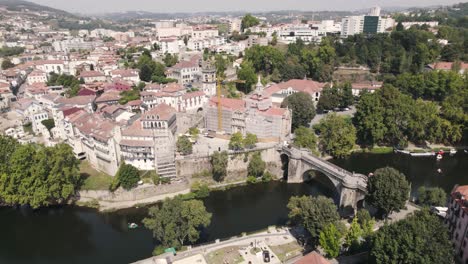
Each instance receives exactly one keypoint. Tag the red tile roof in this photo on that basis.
(233, 104)
(193, 94)
(85, 74)
(160, 112)
(312, 258)
(85, 91)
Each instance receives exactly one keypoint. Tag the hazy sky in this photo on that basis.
(166, 6)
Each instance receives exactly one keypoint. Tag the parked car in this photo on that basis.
(266, 256)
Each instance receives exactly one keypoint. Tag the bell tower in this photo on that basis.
(209, 79)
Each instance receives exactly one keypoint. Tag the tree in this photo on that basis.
(219, 162)
(246, 74)
(329, 99)
(303, 109)
(170, 60)
(399, 27)
(256, 166)
(330, 241)
(184, 145)
(236, 142)
(420, 238)
(177, 222)
(305, 138)
(128, 176)
(353, 234)
(337, 135)
(146, 73)
(36, 175)
(48, 123)
(249, 21)
(387, 190)
(194, 132)
(346, 95)
(366, 222)
(7, 64)
(313, 213)
(432, 196)
(250, 140)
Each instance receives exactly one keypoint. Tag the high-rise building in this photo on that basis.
(352, 25)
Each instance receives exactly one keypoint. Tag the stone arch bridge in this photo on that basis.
(351, 187)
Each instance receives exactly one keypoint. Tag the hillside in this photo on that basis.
(19, 5)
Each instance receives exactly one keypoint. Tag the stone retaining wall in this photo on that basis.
(139, 193)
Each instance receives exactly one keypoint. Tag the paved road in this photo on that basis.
(319, 117)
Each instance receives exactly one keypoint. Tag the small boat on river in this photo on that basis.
(422, 154)
(132, 226)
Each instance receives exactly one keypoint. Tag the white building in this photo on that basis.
(36, 76)
(204, 32)
(186, 72)
(235, 24)
(352, 25)
(169, 45)
(92, 76)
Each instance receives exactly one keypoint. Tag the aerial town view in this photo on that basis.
(233, 132)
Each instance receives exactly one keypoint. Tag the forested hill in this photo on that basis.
(19, 5)
(456, 15)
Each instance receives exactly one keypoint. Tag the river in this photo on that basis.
(79, 235)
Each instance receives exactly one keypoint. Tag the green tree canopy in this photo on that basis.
(388, 190)
(330, 241)
(7, 64)
(420, 238)
(219, 162)
(177, 222)
(303, 109)
(337, 135)
(249, 21)
(128, 176)
(256, 166)
(37, 176)
(184, 145)
(236, 142)
(313, 213)
(250, 140)
(246, 74)
(305, 138)
(434, 196)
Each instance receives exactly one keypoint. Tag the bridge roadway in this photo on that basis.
(351, 186)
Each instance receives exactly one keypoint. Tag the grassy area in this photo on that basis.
(93, 179)
(287, 251)
(225, 255)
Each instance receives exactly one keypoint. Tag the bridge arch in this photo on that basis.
(328, 186)
(285, 166)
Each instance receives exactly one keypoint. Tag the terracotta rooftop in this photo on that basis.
(233, 104)
(95, 126)
(193, 94)
(109, 95)
(173, 88)
(124, 73)
(447, 65)
(312, 258)
(77, 100)
(160, 112)
(87, 74)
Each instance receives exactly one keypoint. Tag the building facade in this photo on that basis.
(457, 221)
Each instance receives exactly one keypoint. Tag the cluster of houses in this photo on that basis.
(107, 130)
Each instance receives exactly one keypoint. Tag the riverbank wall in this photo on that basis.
(237, 164)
